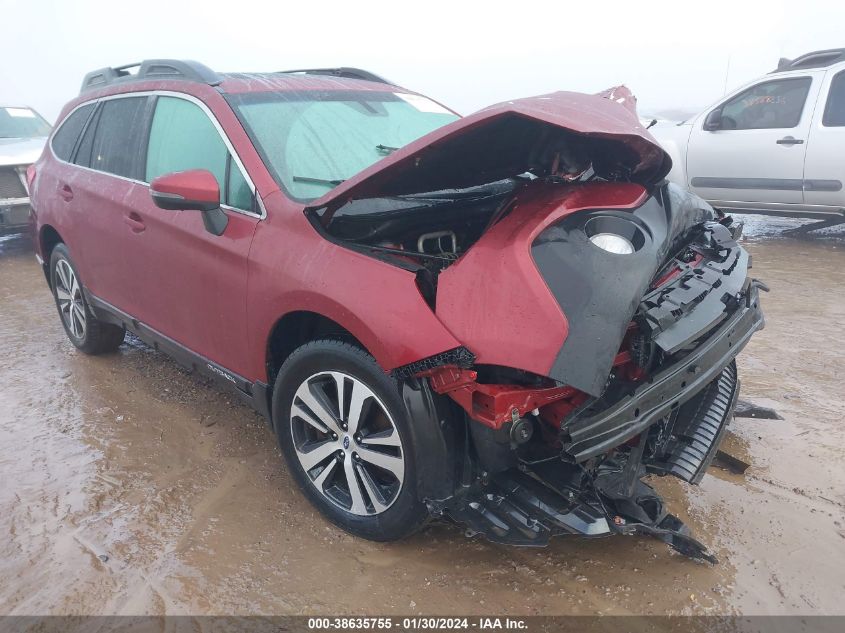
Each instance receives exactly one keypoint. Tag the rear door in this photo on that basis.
(53, 192)
(191, 285)
(102, 192)
(757, 153)
(824, 170)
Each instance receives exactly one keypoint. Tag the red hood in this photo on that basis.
(512, 138)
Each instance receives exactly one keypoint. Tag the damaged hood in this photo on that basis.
(514, 137)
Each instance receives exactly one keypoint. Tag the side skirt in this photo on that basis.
(255, 394)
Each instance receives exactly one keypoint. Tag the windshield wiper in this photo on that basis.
(317, 181)
(386, 148)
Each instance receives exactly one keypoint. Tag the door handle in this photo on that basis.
(134, 222)
(65, 192)
(789, 140)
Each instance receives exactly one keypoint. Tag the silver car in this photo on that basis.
(23, 133)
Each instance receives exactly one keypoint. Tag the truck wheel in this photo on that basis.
(345, 435)
(84, 330)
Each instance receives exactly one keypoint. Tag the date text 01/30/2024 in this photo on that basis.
(417, 623)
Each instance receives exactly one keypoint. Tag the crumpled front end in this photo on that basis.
(641, 375)
(598, 312)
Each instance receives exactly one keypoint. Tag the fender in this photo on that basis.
(378, 303)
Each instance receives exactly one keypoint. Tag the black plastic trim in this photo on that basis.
(460, 357)
(599, 292)
(148, 70)
(816, 59)
(435, 433)
(822, 185)
(668, 389)
(700, 426)
(345, 72)
(778, 184)
(773, 184)
(253, 394)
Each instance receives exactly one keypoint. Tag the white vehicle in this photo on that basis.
(23, 133)
(775, 146)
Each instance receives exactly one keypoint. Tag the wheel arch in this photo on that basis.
(48, 239)
(296, 328)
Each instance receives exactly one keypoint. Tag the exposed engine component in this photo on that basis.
(438, 243)
(522, 431)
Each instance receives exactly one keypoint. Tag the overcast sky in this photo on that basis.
(673, 54)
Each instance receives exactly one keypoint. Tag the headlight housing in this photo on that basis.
(616, 234)
(611, 243)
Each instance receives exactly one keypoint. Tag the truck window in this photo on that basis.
(768, 105)
(834, 111)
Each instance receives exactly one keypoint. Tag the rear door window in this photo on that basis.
(65, 137)
(768, 105)
(117, 142)
(183, 137)
(834, 111)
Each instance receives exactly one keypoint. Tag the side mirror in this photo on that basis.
(713, 121)
(192, 190)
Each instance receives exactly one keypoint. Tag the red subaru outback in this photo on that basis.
(507, 319)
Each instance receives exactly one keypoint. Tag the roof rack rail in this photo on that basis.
(150, 69)
(816, 59)
(343, 71)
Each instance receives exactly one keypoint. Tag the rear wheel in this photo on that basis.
(83, 328)
(343, 429)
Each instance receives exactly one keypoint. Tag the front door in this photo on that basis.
(190, 284)
(754, 151)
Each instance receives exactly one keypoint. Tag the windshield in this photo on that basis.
(313, 141)
(22, 123)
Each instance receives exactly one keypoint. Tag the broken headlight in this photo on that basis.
(614, 234)
(612, 243)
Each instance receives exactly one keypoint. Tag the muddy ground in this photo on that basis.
(130, 487)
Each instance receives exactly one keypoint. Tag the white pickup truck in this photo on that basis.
(776, 145)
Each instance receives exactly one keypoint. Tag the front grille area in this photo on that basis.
(699, 427)
(11, 185)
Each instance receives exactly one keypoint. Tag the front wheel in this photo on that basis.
(345, 435)
(83, 328)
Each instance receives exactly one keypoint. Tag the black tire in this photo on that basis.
(406, 514)
(93, 336)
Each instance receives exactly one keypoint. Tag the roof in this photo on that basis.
(816, 59)
(234, 83)
(343, 77)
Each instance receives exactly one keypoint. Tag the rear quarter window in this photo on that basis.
(66, 136)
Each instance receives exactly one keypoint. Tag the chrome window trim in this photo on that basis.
(261, 214)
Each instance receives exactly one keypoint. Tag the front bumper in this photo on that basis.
(669, 388)
(14, 215)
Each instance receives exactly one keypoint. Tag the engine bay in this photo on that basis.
(431, 230)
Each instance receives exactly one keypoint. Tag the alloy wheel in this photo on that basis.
(69, 298)
(347, 443)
